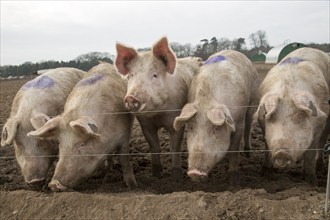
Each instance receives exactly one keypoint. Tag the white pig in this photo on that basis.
(157, 87)
(293, 109)
(217, 114)
(33, 105)
(94, 123)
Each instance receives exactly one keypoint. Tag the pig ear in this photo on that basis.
(124, 56)
(9, 131)
(219, 116)
(39, 120)
(306, 103)
(187, 112)
(87, 125)
(49, 131)
(163, 52)
(268, 106)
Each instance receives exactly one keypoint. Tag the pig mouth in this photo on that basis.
(197, 175)
(282, 160)
(56, 186)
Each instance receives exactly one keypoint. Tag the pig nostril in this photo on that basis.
(132, 103)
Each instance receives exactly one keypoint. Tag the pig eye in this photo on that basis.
(81, 146)
(155, 75)
(215, 129)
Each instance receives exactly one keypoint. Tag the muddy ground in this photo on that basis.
(105, 196)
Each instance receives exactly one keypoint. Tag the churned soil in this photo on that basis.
(105, 196)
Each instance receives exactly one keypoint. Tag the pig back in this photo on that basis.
(100, 95)
(226, 74)
(320, 59)
(46, 94)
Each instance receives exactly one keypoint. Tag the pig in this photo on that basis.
(94, 124)
(293, 110)
(218, 113)
(158, 85)
(33, 105)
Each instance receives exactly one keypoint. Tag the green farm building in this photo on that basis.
(259, 57)
(276, 54)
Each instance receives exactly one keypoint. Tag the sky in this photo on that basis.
(62, 30)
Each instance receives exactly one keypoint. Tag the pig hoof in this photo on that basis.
(234, 178)
(311, 179)
(156, 170)
(320, 166)
(247, 151)
(131, 183)
(36, 184)
(268, 173)
(177, 175)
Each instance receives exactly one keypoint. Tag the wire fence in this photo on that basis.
(178, 110)
(165, 153)
(150, 153)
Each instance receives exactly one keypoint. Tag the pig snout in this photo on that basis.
(56, 186)
(132, 103)
(36, 184)
(282, 159)
(197, 175)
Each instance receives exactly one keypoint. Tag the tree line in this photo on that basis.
(83, 62)
(258, 42)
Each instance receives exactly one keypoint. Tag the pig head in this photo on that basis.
(208, 137)
(76, 137)
(34, 156)
(290, 125)
(148, 75)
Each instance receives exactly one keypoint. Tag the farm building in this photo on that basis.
(259, 57)
(276, 54)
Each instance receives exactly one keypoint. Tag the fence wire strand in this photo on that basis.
(166, 153)
(150, 153)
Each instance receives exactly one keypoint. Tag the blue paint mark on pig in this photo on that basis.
(215, 59)
(291, 60)
(91, 80)
(41, 82)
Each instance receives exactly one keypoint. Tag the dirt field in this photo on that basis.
(105, 196)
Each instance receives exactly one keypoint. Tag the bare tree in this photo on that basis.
(182, 50)
(224, 44)
(237, 44)
(259, 39)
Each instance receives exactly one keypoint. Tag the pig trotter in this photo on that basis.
(310, 179)
(320, 168)
(131, 182)
(268, 172)
(247, 151)
(177, 174)
(234, 178)
(156, 170)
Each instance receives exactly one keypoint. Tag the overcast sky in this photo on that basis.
(62, 30)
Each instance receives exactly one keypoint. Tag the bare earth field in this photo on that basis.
(105, 196)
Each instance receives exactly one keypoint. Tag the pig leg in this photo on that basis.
(234, 178)
(323, 141)
(267, 167)
(151, 134)
(309, 167)
(175, 146)
(247, 131)
(126, 167)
